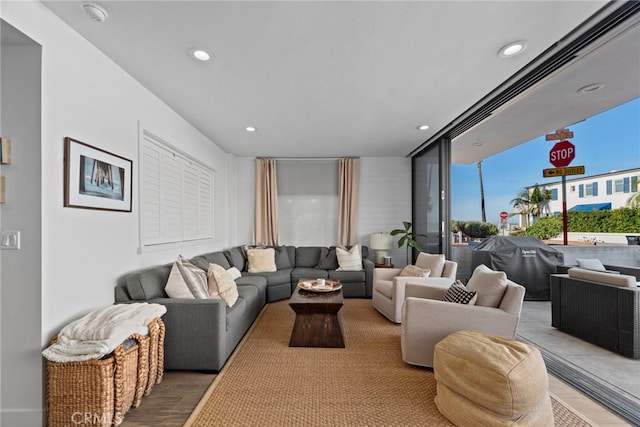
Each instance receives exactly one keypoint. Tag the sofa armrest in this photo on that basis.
(385, 273)
(434, 289)
(194, 331)
(368, 266)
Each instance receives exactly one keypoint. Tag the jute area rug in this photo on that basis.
(268, 383)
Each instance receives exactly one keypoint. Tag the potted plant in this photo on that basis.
(407, 238)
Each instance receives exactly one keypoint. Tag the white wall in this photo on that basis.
(385, 198)
(87, 97)
(20, 278)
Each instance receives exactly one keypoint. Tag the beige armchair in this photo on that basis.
(389, 288)
(426, 319)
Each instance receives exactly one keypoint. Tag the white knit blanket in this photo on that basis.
(101, 331)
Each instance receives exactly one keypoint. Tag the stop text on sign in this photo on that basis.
(562, 154)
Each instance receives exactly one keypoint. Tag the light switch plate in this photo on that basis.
(10, 240)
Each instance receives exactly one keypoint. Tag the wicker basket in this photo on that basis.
(156, 354)
(95, 392)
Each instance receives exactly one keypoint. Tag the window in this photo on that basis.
(619, 185)
(176, 195)
(554, 194)
(591, 189)
(609, 187)
(307, 202)
(572, 189)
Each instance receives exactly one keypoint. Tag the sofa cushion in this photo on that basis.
(186, 278)
(261, 260)
(236, 257)
(432, 262)
(347, 276)
(349, 259)
(211, 258)
(302, 273)
(590, 264)
(414, 271)
(277, 277)
(282, 257)
(308, 256)
(235, 313)
(489, 284)
(458, 294)
(621, 280)
(221, 285)
(148, 283)
(328, 259)
(385, 287)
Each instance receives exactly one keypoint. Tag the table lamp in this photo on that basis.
(381, 243)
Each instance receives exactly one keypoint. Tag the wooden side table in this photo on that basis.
(317, 323)
(383, 266)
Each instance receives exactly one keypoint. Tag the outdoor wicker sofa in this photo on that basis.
(607, 315)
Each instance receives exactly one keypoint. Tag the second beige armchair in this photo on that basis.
(427, 319)
(389, 286)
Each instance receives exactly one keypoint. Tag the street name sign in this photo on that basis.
(559, 134)
(570, 170)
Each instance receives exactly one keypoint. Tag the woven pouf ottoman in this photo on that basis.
(484, 380)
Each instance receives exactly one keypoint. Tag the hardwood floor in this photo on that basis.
(172, 401)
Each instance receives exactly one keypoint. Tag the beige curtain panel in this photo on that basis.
(266, 206)
(348, 195)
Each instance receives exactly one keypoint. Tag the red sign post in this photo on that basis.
(562, 154)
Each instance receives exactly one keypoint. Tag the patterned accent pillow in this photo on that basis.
(413, 271)
(459, 294)
(349, 259)
(221, 285)
(194, 278)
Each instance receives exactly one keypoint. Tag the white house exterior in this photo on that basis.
(596, 192)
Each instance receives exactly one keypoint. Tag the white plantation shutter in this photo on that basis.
(176, 200)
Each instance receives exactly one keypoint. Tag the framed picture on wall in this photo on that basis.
(95, 178)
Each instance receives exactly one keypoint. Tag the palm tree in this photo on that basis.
(539, 197)
(634, 200)
(530, 202)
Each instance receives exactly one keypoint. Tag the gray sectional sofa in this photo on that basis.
(202, 334)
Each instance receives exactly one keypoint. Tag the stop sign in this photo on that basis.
(562, 154)
(504, 215)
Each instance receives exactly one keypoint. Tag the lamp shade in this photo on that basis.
(380, 241)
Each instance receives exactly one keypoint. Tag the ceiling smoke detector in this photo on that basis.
(95, 12)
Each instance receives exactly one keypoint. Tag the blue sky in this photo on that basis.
(606, 142)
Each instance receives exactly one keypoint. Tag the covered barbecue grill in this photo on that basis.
(526, 260)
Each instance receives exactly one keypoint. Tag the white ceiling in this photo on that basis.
(355, 78)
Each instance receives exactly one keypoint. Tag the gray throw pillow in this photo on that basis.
(282, 257)
(328, 259)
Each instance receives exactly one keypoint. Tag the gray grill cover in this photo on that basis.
(527, 261)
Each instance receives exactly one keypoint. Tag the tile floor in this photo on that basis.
(619, 375)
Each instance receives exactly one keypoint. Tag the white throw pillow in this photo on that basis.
(235, 273)
(490, 285)
(433, 262)
(349, 259)
(186, 278)
(414, 271)
(590, 264)
(261, 260)
(221, 285)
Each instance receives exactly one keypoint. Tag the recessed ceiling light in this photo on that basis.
(513, 49)
(591, 88)
(200, 54)
(250, 129)
(95, 12)
(478, 144)
(423, 127)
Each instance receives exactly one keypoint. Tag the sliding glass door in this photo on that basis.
(431, 205)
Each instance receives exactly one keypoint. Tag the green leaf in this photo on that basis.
(401, 241)
(396, 231)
